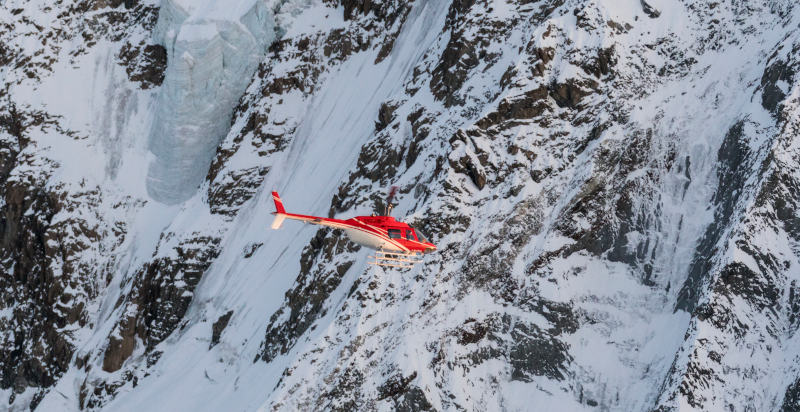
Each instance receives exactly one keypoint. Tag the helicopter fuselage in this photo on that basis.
(374, 232)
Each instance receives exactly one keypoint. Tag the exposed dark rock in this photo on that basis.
(34, 352)
(352, 7)
(218, 327)
(161, 294)
(12, 121)
(473, 332)
(794, 305)
(251, 249)
(772, 94)
(419, 131)
(412, 400)
(649, 10)
(490, 267)
(342, 43)
(785, 202)
(512, 111)
(305, 301)
(571, 93)
(542, 57)
(384, 11)
(345, 392)
(467, 166)
(145, 64)
(530, 351)
(697, 376)
(230, 188)
(545, 54)
(388, 42)
(166, 287)
(95, 394)
(227, 195)
(458, 58)
(560, 315)
(738, 279)
(395, 385)
(120, 345)
(618, 27)
(385, 116)
(534, 353)
(722, 318)
(601, 64)
(6, 55)
(582, 20)
(378, 161)
(791, 400)
(458, 8)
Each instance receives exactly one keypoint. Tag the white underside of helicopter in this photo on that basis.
(386, 252)
(369, 240)
(373, 241)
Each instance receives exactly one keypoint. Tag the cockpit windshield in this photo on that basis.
(421, 237)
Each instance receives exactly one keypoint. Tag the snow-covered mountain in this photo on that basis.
(613, 187)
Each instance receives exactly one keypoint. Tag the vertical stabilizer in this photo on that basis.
(278, 203)
(280, 212)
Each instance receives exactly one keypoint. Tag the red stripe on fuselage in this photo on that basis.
(382, 231)
(379, 232)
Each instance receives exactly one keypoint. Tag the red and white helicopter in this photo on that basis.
(396, 243)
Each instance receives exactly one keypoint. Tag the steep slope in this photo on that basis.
(612, 186)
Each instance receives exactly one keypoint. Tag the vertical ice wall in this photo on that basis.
(213, 48)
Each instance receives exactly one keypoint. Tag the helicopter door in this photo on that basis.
(395, 234)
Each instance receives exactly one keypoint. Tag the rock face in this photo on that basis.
(612, 186)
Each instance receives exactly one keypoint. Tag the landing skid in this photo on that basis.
(395, 259)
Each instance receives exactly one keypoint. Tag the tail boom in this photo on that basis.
(281, 215)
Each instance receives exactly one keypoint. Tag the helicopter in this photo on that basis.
(396, 244)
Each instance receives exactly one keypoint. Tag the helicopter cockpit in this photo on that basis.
(420, 237)
(407, 233)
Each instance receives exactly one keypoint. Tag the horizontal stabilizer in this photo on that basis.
(279, 218)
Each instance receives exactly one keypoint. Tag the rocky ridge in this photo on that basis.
(611, 185)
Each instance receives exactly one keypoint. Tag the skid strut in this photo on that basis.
(395, 259)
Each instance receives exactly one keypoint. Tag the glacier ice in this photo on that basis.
(213, 48)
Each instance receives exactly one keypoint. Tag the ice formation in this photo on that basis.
(213, 49)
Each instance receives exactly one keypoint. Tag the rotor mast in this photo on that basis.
(392, 192)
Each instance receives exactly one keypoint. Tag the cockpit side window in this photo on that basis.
(410, 234)
(420, 236)
(395, 233)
